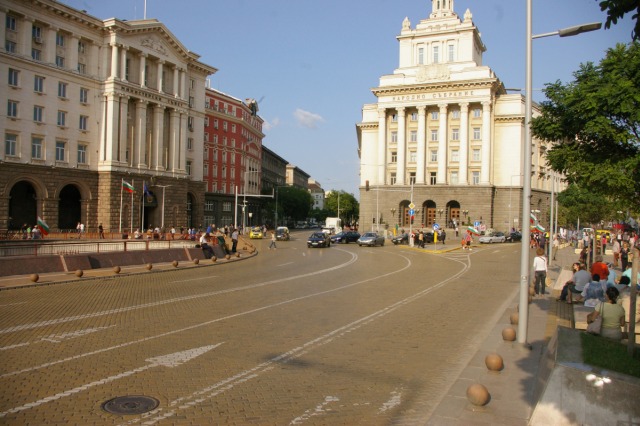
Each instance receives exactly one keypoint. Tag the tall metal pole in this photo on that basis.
(523, 311)
(551, 216)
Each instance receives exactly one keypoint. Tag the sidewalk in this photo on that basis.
(516, 390)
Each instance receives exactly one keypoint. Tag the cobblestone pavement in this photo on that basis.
(344, 335)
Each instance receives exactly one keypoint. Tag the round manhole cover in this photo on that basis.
(135, 404)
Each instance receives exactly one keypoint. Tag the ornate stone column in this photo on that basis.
(160, 72)
(140, 146)
(174, 141)
(73, 52)
(176, 81)
(182, 142)
(143, 71)
(485, 171)
(402, 146)
(420, 172)
(442, 145)
(463, 178)
(49, 48)
(382, 146)
(157, 146)
(122, 140)
(24, 42)
(123, 63)
(114, 61)
(111, 134)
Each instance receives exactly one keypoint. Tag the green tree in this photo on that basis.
(349, 206)
(593, 124)
(294, 203)
(616, 9)
(583, 205)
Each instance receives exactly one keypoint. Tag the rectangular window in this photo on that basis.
(233, 128)
(36, 54)
(38, 112)
(206, 122)
(455, 114)
(454, 178)
(60, 61)
(477, 113)
(10, 144)
(36, 148)
(190, 144)
(452, 56)
(188, 168)
(421, 55)
(394, 137)
(81, 47)
(433, 178)
(62, 118)
(412, 178)
(82, 125)
(38, 84)
(60, 150)
(414, 116)
(413, 156)
(82, 68)
(436, 54)
(434, 136)
(59, 39)
(10, 46)
(455, 134)
(10, 23)
(62, 90)
(12, 109)
(84, 95)
(13, 77)
(226, 206)
(394, 118)
(36, 33)
(82, 154)
(434, 155)
(393, 179)
(413, 136)
(455, 156)
(215, 123)
(394, 157)
(475, 155)
(476, 133)
(475, 178)
(434, 115)
(224, 126)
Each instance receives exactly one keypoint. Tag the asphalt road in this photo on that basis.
(345, 335)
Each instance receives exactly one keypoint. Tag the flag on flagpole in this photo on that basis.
(533, 218)
(43, 226)
(128, 187)
(145, 188)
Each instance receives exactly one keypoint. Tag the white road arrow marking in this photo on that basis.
(170, 360)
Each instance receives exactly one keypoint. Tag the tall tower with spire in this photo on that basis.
(441, 8)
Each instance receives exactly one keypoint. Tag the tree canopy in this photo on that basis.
(349, 206)
(593, 125)
(616, 9)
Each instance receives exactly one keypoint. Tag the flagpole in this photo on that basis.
(143, 195)
(121, 185)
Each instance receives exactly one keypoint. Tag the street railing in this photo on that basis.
(44, 247)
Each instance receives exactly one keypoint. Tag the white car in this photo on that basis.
(496, 237)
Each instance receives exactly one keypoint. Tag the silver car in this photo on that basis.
(496, 237)
(371, 239)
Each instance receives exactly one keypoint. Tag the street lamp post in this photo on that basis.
(523, 311)
(163, 188)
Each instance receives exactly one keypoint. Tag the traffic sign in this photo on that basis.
(411, 212)
(412, 206)
(436, 226)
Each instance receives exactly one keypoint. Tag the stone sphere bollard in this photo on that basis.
(34, 278)
(514, 318)
(509, 334)
(244, 248)
(79, 273)
(196, 261)
(478, 395)
(116, 269)
(227, 257)
(237, 254)
(213, 259)
(149, 266)
(175, 263)
(494, 362)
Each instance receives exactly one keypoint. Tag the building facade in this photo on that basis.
(94, 103)
(445, 139)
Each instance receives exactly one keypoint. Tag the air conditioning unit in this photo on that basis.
(37, 40)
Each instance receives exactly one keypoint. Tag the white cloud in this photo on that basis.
(307, 119)
(266, 125)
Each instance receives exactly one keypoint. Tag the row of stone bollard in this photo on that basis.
(116, 269)
(478, 394)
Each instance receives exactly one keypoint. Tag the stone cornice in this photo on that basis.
(436, 87)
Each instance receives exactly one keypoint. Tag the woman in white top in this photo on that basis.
(540, 269)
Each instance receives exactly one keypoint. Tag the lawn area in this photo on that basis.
(610, 355)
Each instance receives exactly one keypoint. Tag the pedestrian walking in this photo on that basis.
(234, 240)
(101, 231)
(540, 268)
(273, 241)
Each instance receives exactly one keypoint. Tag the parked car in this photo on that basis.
(513, 237)
(256, 232)
(496, 237)
(400, 239)
(319, 239)
(371, 239)
(345, 237)
(282, 233)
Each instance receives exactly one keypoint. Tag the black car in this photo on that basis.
(513, 237)
(400, 239)
(427, 239)
(319, 239)
(345, 237)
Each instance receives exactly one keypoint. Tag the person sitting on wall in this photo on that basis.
(205, 244)
(137, 235)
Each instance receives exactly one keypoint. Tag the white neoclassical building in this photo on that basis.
(445, 136)
(92, 103)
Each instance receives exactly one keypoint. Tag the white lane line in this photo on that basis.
(220, 387)
(12, 304)
(168, 301)
(170, 360)
(191, 327)
(394, 401)
(57, 338)
(4, 348)
(317, 411)
(285, 264)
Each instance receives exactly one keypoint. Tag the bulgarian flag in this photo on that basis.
(127, 187)
(533, 218)
(43, 226)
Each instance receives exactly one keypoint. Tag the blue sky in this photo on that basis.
(313, 63)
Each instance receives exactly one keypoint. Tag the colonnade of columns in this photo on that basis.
(443, 144)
